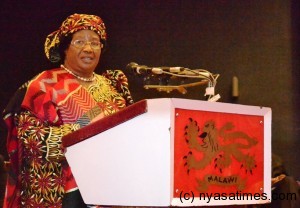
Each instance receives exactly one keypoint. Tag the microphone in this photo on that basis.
(143, 69)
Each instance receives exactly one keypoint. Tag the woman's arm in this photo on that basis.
(41, 140)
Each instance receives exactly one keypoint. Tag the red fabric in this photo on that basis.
(12, 147)
(48, 89)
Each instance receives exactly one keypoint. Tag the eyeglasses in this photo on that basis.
(96, 45)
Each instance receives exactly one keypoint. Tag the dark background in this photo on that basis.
(257, 41)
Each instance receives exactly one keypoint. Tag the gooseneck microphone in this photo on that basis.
(143, 69)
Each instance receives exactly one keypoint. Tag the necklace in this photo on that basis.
(92, 78)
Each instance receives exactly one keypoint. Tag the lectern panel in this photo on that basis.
(174, 152)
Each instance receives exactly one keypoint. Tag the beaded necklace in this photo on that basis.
(91, 79)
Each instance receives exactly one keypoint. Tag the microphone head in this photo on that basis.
(131, 66)
(137, 69)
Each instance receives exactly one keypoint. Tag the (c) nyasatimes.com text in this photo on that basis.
(189, 196)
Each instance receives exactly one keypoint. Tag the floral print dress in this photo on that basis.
(41, 112)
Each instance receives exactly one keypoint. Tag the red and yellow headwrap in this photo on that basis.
(72, 24)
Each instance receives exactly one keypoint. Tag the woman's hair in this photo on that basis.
(65, 42)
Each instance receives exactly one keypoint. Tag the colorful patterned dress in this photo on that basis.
(42, 111)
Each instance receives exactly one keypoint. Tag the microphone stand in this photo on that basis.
(180, 88)
(201, 76)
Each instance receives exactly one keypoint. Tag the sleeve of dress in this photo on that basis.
(39, 139)
(120, 82)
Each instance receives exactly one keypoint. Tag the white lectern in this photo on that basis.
(159, 152)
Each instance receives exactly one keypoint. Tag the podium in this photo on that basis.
(174, 152)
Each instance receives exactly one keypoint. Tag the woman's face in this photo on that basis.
(82, 56)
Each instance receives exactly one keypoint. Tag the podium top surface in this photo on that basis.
(105, 123)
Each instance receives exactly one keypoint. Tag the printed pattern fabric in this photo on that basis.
(54, 105)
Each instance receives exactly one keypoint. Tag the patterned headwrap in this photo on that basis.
(72, 24)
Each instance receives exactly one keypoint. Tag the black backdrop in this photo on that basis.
(257, 41)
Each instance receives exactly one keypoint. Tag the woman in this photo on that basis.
(53, 104)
